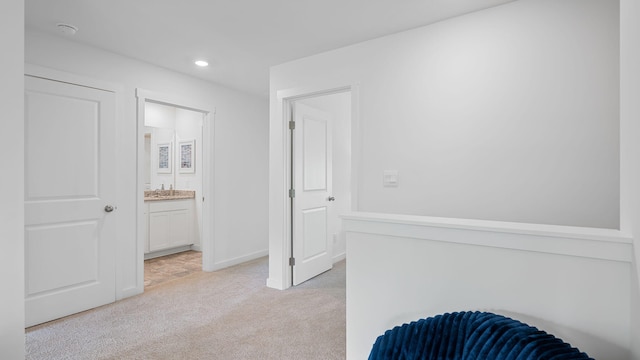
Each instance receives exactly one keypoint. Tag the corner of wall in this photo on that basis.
(629, 150)
(12, 267)
(635, 302)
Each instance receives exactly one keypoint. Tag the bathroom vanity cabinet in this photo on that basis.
(170, 224)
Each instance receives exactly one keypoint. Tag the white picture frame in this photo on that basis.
(187, 156)
(164, 163)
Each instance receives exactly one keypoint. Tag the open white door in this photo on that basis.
(312, 245)
(69, 194)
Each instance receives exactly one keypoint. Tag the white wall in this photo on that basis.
(506, 114)
(159, 115)
(339, 106)
(240, 128)
(161, 180)
(189, 127)
(12, 209)
(629, 144)
(160, 122)
(570, 282)
(635, 311)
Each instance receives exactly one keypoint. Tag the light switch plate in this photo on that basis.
(390, 178)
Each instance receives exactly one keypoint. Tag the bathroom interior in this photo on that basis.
(172, 183)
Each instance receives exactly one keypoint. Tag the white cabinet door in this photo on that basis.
(69, 180)
(170, 224)
(180, 229)
(312, 246)
(159, 237)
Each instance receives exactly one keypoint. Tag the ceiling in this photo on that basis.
(240, 39)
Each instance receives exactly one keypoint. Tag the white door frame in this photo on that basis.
(207, 235)
(280, 174)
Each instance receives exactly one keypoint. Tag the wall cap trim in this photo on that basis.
(603, 244)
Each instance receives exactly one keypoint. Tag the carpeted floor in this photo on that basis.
(228, 314)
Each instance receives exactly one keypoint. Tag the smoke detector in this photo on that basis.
(67, 29)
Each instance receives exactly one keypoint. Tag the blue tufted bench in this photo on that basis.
(471, 336)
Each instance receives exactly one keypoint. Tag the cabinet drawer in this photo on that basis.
(170, 205)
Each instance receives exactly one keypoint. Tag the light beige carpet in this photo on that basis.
(228, 314)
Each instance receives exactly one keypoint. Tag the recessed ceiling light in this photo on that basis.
(67, 29)
(201, 63)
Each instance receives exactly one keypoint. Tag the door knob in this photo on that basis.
(108, 208)
(331, 198)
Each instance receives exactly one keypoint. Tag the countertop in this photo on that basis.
(160, 195)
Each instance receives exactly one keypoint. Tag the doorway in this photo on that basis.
(175, 175)
(320, 169)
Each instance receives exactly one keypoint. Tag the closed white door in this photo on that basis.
(69, 193)
(312, 244)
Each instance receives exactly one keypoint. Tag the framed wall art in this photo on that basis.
(164, 159)
(187, 149)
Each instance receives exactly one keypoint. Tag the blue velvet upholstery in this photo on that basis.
(471, 336)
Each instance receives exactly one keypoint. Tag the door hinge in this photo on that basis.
(292, 193)
(292, 261)
(292, 125)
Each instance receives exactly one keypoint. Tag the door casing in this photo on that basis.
(280, 273)
(207, 235)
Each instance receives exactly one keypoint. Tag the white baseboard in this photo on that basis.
(175, 250)
(275, 284)
(239, 260)
(339, 257)
(196, 248)
(128, 292)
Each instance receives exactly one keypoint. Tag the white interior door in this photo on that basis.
(312, 244)
(69, 193)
